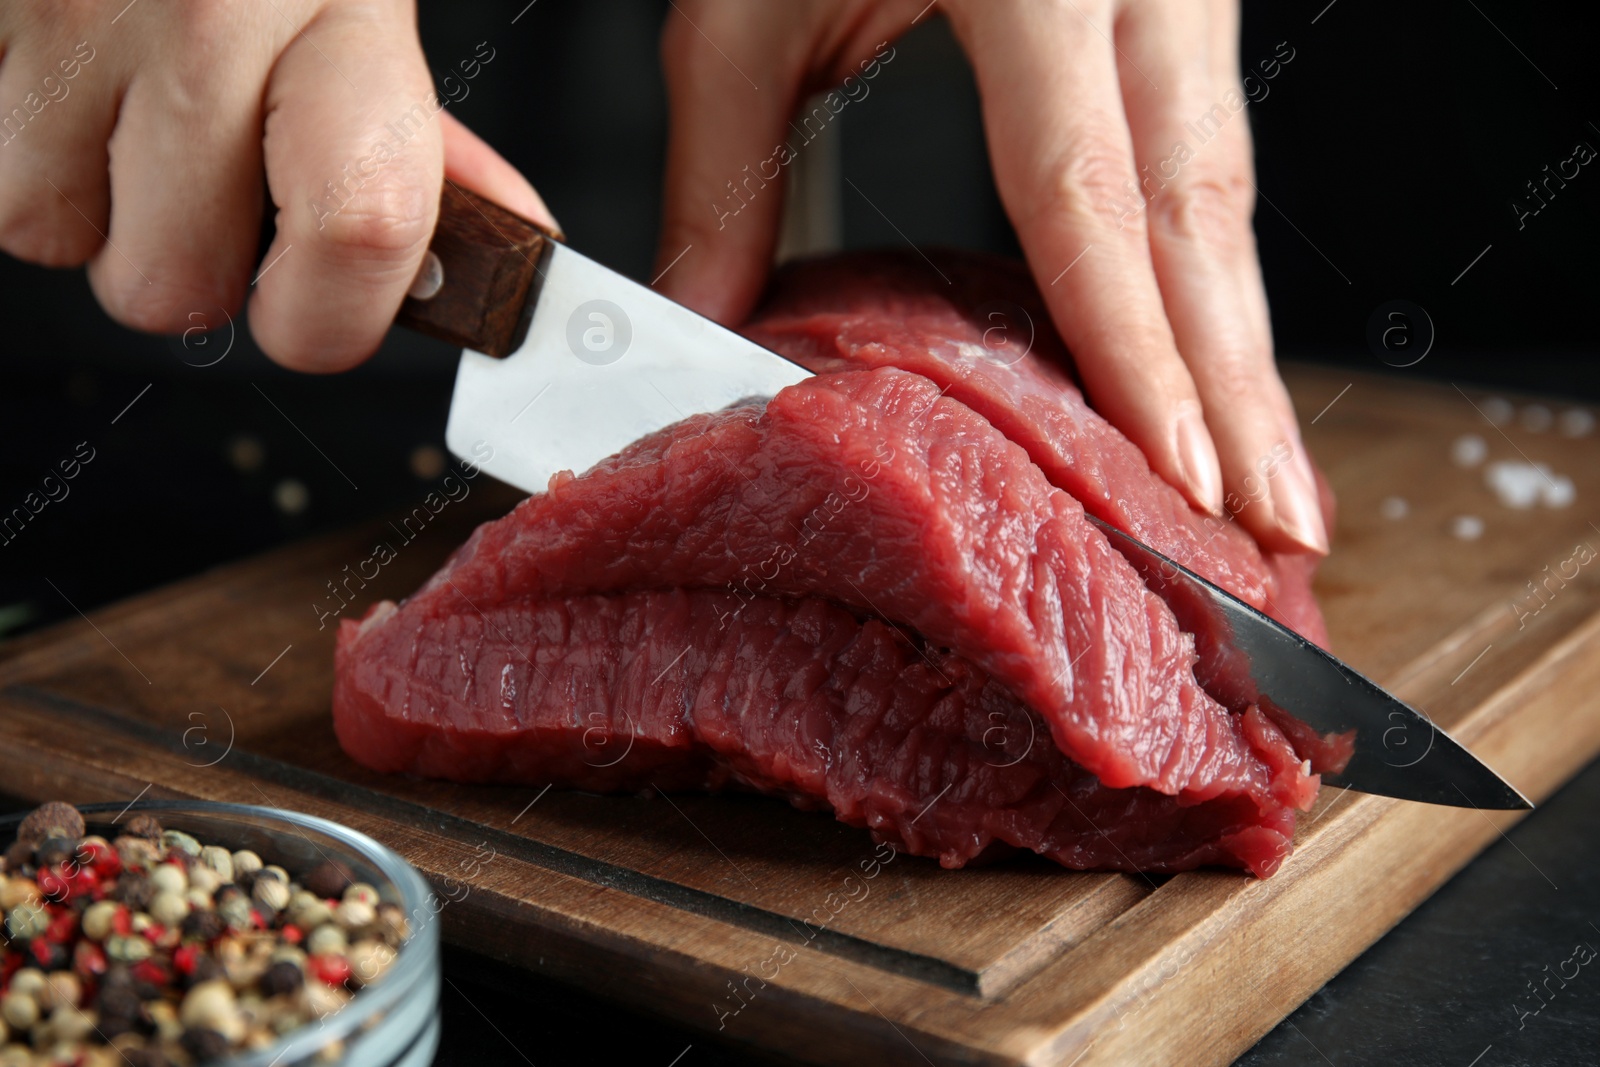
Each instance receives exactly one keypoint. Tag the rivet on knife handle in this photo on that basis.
(491, 261)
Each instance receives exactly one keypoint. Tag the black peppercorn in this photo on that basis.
(18, 856)
(142, 825)
(116, 997)
(204, 1044)
(53, 850)
(54, 819)
(206, 969)
(117, 976)
(329, 879)
(285, 976)
(133, 889)
(204, 926)
(118, 1005)
(147, 1056)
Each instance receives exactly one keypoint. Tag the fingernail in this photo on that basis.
(429, 279)
(1294, 502)
(1198, 458)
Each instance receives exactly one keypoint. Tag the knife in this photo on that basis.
(1247, 658)
(566, 362)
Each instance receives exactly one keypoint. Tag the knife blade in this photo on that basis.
(566, 362)
(590, 362)
(1249, 658)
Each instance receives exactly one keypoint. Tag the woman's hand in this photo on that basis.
(1122, 155)
(133, 138)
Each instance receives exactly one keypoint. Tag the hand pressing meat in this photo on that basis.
(152, 175)
(1145, 253)
(877, 592)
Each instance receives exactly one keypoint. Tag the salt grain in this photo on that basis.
(1575, 422)
(1536, 418)
(1520, 485)
(1394, 508)
(1514, 482)
(1497, 410)
(1558, 492)
(1467, 527)
(1469, 450)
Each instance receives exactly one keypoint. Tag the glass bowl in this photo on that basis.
(393, 1022)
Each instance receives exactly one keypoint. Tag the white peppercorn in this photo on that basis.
(27, 921)
(355, 914)
(168, 908)
(19, 1010)
(270, 894)
(98, 919)
(178, 841)
(69, 1024)
(219, 860)
(369, 959)
(61, 989)
(211, 1006)
(363, 892)
(311, 915)
(204, 879)
(169, 877)
(127, 948)
(326, 939)
(28, 980)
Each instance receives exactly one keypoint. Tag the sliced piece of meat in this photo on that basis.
(800, 699)
(985, 339)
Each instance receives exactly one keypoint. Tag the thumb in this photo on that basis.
(726, 152)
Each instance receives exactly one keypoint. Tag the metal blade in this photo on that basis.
(1246, 658)
(606, 361)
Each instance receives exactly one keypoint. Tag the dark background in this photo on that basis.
(1389, 150)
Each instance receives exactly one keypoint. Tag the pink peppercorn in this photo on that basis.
(63, 925)
(152, 972)
(329, 969)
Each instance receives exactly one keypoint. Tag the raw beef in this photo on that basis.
(801, 699)
(985, 340)
(836, 597)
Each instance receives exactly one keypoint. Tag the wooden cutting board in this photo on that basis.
(788, 930)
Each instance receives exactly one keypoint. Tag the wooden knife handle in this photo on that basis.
(480, 290)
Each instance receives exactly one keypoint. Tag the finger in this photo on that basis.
(470, 162)
(1192, 144)
(1063, 163)
(185, 169)
(724, 181)
(354, 164)
(54, 196)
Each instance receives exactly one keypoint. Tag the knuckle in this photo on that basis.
(382, 226)
(1095, 183)
(1212, 209)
